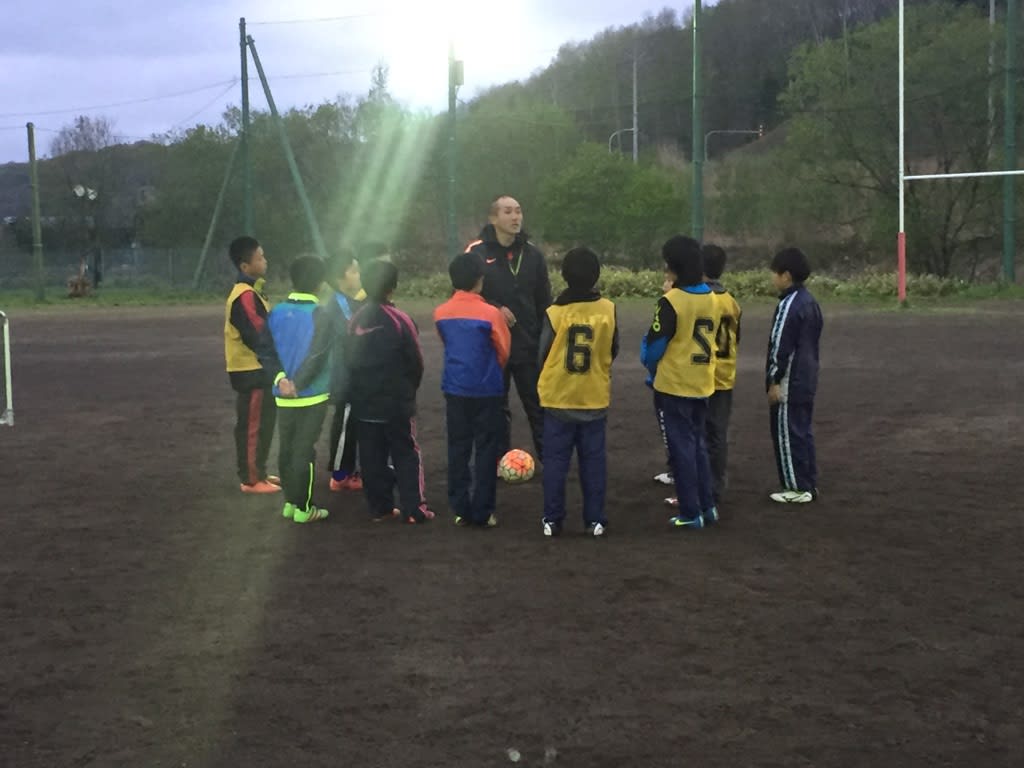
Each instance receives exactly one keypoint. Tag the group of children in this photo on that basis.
(361, 353)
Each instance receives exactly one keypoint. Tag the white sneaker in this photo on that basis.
(793, 497)
(665, 478)
(595, 529)
(671, 501)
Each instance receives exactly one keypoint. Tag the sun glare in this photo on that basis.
(415, 43)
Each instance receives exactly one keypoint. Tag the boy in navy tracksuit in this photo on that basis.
(343, 276)
(791, 378)
(477, 342)
(385, 369)
(302, 338)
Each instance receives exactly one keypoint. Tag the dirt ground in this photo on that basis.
(153, 616)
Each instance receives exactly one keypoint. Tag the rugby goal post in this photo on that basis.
(1010, 159)
(7, 401)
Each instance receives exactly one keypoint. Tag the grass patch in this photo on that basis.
(869, 289)
(107, 297)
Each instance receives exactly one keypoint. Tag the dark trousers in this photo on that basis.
(793, 441)
(299, 429)
(474, 423)
(685, 424)
(255, 412)
(717, 432)
(660, 415)
(397, 439)
(344, 434)
(525, 373)
(588, 438)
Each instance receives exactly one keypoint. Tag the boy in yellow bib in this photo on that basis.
(678, 352)
(579, 339)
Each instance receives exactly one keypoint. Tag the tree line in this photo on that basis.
(818, 75)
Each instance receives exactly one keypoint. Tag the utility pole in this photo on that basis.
(37, 229)
(455, 79)
(636, 126)
(698, 130)
(1010, 148)
(289, 156)
(244, 143)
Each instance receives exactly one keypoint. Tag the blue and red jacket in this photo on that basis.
(477, 342)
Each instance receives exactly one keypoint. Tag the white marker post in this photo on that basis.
(7, 415)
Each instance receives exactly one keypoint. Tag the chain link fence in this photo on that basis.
(138, 267)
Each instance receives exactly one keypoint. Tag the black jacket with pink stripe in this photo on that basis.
(385, 364)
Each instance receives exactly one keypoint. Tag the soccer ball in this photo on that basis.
(516, 466)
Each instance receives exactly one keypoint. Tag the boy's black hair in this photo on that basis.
(682, 256)
(714, 260)
(307, 274)
(581, 269)
(372, 250)
(340, 263)
(794, 261)
(465, 270)
(242, 249)
(380, 278)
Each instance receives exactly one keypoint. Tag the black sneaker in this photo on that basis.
(552, 529)
(597, 529)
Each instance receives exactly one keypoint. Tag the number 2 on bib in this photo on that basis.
(703, 334)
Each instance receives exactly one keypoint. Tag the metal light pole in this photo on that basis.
(37, 230)
(991, 73)
(697, 222)
(618, 133)
(244, 142)
(901, 236)
(1010, 146)
(455, 79)
(636, 118)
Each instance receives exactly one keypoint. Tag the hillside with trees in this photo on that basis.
(818, 76)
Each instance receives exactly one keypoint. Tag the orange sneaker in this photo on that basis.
(261, 487)
(351, 483)
(428, 515)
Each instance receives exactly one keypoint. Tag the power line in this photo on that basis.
(206, 106)
(301, 75)
(119, 103)
(320, 20)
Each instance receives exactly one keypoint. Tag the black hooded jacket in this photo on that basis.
(516, 277)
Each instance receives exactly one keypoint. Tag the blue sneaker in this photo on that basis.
(686, 522)
(710, 516)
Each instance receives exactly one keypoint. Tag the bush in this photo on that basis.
(618, 283)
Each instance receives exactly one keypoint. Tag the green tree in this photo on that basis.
(608, 203)
(843, 103)
(509, 145)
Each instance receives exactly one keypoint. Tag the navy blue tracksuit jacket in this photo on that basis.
(793, 348)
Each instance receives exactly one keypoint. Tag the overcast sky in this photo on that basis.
(60, 56)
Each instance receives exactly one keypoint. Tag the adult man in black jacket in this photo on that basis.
(516, 281)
